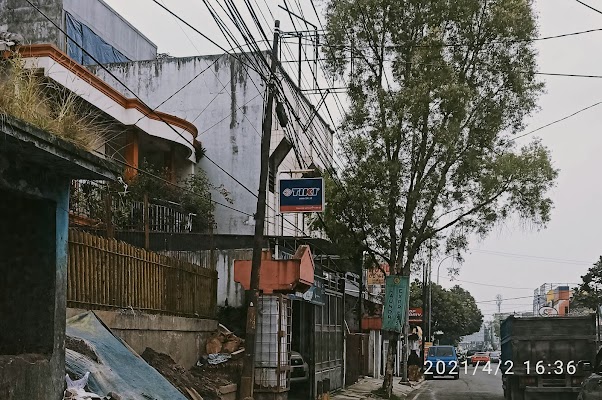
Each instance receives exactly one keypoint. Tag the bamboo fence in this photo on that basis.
(109, 274)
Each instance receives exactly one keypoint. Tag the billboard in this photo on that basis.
(301, 195)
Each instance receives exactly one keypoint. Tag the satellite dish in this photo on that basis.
(547, 311)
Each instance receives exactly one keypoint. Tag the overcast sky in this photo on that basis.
(515, 257)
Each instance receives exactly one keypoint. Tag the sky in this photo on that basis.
(516, 258)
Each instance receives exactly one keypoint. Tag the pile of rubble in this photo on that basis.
(224, 341)
(97, 362)
(193, 386)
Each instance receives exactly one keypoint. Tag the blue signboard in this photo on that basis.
(396, 302)
(301, 195)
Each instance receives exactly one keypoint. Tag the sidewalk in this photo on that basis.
(365, 386)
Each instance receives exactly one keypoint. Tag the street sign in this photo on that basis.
(301, 195)
(396, 302)
(415, 315)
(376, 275)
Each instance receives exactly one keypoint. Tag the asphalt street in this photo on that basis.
(472, 385)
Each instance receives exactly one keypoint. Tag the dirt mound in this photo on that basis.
(80, 346)
(229, 372)
(205, 384)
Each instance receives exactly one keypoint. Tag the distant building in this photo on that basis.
(556, 296)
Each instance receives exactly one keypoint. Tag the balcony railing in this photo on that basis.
(89, 207)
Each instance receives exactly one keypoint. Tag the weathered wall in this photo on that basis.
(113, 28)
(225, 102)
(224, 99)
(21, 18)
(182, 338)
(229, 293)
(32, 357)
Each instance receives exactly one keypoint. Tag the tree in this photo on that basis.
(587, 294)
(454, 311)
(436, 91)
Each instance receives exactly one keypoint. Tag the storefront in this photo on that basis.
(317, 333)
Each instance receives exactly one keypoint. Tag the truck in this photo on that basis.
(546, 357)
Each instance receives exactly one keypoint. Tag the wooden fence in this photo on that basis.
(108, 274)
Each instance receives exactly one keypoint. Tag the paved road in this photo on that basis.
(480, 386)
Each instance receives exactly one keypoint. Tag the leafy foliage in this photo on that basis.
(190, 195)
(454, 311)
(437, 89)
(588, 293)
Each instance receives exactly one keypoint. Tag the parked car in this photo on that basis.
(442, 360)
(299, 368)
(480, 358)
(494, 356)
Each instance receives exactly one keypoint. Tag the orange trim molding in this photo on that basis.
(49, 50)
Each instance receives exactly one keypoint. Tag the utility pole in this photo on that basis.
(498, 301)
(426, 310)
(252, 295)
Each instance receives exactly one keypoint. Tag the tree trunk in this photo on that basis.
(391, 352)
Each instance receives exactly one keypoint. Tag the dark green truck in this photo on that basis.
(546, 357)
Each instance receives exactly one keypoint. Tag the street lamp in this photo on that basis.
(439, 266)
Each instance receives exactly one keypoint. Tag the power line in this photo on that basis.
(488, 285)
(510, 298)
(588, 6)
(509, 41)
(557, 121)
(539, 258)
(199, 32)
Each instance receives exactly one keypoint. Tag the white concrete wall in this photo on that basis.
(225, 102)
(112, 27)
(227, 289)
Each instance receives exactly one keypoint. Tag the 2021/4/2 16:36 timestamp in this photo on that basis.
(557, 367)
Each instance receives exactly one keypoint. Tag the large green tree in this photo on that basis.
(436, 90)
(588, 294)
(454, 311)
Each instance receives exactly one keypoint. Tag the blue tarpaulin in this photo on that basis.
(84, 37)
(118, 369)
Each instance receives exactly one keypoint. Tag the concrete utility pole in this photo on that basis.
(252, 295)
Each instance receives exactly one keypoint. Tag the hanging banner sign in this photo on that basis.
(395, 311)
(301, 195)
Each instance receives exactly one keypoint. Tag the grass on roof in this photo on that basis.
(29, 96)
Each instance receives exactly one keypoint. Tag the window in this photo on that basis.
(441, 352)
